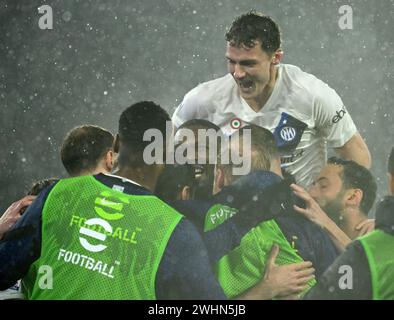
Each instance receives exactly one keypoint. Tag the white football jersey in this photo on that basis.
(303, 113)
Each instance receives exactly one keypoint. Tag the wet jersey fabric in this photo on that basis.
(224, 224)
(327, 287)
(100, 243)
(244, 266)
(379, 248)
(184, 271)
(243, 202)
(370, 260)
(303, 113)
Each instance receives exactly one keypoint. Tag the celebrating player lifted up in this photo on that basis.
(302, 111)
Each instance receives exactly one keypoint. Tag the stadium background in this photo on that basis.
(102, 56)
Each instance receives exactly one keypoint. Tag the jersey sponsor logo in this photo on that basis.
(235, 123)
(88, 263)
(128, 235)
(105, 202)
(217, 215)
(288, 133)
(94, 234)
(118, 188)
(339, 115)
(291, 158)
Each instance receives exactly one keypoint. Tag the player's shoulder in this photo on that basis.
(225, 82)
(184, 238)
(166, 207)
(309, 87)
(297, 77)
(211, 91)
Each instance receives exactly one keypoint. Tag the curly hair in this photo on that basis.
(254, 26)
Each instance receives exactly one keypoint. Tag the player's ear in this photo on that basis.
(109, 160)
(353, 197)
(277, 57)
(185, 193)
(219, 180)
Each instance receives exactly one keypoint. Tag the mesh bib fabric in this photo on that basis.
(244, 266)
(379, 248)
(99, 243)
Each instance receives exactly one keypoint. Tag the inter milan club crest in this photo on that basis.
(235, 123)
(288, 133)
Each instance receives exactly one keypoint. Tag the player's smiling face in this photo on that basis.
(250, 67)
(328, 191)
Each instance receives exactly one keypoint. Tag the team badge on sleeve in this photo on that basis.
(288, 132)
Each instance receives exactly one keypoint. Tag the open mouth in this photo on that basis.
(246, 85)
(198, 171)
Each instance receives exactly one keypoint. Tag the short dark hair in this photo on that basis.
(133, 123)
(263, 145)
(357, 176)
(390, 163)
(173, 179)
(83, 148)
(254, 26)
(40, 185)
(199, 124)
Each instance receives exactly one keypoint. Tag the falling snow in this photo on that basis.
(102, 56)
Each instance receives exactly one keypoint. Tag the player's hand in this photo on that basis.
(365, 227)
(13, 213)
(312, 211)
(286, 280)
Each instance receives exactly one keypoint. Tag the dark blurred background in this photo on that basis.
(102, 56)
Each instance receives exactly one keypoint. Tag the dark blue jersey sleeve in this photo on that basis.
(194, 210)
(218, 241)
(21, 245)
(184, 271)
(257, 197)
(310, 240)
(355, 269)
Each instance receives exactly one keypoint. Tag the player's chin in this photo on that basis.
(250, 94)
(247, 91)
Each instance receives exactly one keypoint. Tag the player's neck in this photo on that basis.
(143, 176)
(351, 218)
(259, 102)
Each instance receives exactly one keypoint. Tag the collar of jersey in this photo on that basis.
(122, 178)
(130, 186)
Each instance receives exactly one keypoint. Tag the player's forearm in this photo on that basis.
(357, 150)
(340, 239)
(260, 291)
(361, 156)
